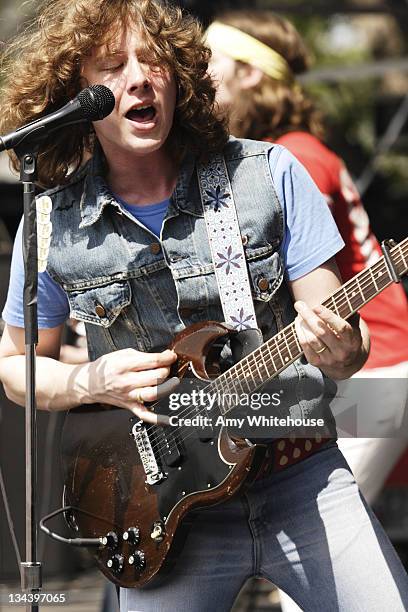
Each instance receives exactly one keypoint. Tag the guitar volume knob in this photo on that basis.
(132, 535)
(111, 540)
(116, 563)
(138, 560)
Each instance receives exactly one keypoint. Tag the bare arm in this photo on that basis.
(55, 381)
(343, 345)
(119, 378)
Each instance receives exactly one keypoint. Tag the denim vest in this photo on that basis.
(133, 290)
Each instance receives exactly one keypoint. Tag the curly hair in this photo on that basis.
(41, 69)
(273, 107)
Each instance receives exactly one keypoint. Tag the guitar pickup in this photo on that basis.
(171, 453)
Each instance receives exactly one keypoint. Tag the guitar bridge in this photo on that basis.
(154, 474)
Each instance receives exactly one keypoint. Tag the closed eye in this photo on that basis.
(112, 68)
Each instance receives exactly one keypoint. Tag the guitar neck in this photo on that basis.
(283, 349)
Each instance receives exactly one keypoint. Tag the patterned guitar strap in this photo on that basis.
(228, 255)
(235, 293)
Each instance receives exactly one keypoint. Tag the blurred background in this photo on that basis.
(360, 81)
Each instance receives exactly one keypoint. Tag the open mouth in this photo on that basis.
(143, 114)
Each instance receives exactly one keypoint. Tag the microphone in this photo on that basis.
(91, 104)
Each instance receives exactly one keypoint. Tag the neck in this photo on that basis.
(142, 179)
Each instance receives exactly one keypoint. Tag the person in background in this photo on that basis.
(256, 56)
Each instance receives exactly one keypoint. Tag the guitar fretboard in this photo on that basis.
(283, 349)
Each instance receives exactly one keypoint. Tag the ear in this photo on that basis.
(249, 76)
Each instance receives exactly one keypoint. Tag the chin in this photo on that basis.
(144, 146)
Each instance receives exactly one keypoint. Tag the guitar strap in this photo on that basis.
(227, 253)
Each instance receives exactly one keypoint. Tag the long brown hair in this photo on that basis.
(41, 71)
(273, 107)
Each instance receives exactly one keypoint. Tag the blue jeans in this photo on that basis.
(306, 529)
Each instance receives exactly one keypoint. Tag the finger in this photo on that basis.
(146, 415)
(146, 378)
(323, 334)
(308, 342)
(151, 394)
(139, 361)
(335, 323)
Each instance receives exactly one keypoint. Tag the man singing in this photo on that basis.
(130, 257)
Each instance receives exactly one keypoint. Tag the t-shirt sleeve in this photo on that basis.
(53, 307)
(311, 235)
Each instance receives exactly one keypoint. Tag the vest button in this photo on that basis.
(155, 248)
(244, 240)
(100, 311)
(263, 284)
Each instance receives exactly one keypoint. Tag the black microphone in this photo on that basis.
(91, 104)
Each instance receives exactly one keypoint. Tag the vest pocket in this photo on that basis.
(112, 322)
(100, 305)
(265, 272)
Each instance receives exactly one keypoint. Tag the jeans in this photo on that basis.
(306, 529)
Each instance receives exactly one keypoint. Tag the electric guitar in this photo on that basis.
(132, 487)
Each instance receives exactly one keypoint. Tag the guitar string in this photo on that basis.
(288, 343)
(283, 343)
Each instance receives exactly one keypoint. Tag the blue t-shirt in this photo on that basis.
(311, 238)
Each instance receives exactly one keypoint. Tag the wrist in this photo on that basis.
(80, 391)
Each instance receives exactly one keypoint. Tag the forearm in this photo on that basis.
(59, 386)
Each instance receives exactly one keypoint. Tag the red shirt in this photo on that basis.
(386, 315)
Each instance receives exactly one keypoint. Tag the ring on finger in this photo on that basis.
(138, 396)
(321, 350)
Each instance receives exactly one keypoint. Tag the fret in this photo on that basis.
(369, 287)
(232, 378)
(244, 377)
(330, 303)
(335, 308)
(249, 376)
(292, 341)
(387, 274)
(373, 278)
(360, 290)
(277, 346)
(218, 392)
(253, 366)
(226, 395)
(354, 296)
(227, 402)
(345, 293)
(267, 347)
(382, 276)
(262, 356)
(287, 359)
(294, 334)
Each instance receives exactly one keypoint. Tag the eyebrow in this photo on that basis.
(113, 54)
(102, 57)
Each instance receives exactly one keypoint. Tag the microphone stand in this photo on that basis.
(31, 579)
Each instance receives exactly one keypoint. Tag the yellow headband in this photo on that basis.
(245, 48)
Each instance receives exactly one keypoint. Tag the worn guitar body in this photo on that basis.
(106, 480)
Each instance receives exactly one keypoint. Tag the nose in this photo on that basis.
(138, 76)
